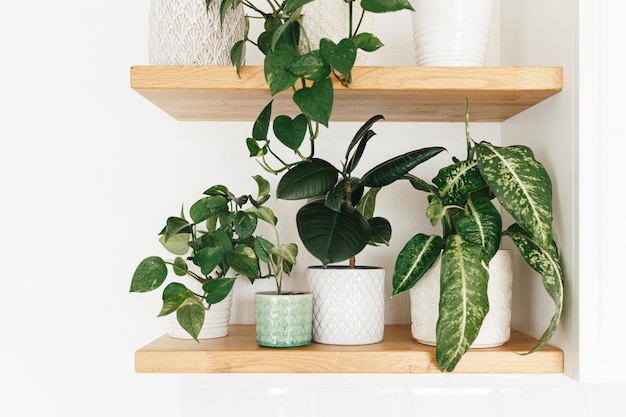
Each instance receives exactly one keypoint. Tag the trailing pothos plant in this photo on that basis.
(338, 221)
(461, 199)
(294, 64)
(220, 241)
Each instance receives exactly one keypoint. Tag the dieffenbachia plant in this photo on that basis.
(220, 241)
(461, 199)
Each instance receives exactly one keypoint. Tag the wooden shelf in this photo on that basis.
(401, 94)
(397, 353)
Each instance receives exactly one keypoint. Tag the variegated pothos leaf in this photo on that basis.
(548, 264)
(463, 303)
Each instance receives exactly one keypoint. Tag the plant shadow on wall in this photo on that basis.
(461, 199)
(220, 240)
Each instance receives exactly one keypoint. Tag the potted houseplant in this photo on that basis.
(215, 245)
(461, 199)
(188, 32)
(335, 224)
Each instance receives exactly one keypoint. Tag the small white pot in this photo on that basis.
(348, 304)
(330, 19)
(451, 32)
(495, 330)
(216, 321)
(182, 32)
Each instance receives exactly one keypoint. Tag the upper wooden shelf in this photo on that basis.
(401, 94)
(397, 353)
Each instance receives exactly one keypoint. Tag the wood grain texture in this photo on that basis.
(397, 353)
(401, 94)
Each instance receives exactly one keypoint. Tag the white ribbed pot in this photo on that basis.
(451, 32)
(348, 304)
(216, 321)
(331, 19)
(495, 330)
(182, 32)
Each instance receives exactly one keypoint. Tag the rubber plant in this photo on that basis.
(337, 221)
(306, 70)
(460, 197)
(220, 240)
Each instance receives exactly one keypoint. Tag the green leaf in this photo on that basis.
(522, 186)
(362, 133)
(207, 207)
(381, 231)
(316, 102)
(481, 225)
(237, 55)
(264, 213)
(330, 236)
(149, 275)
(293, 5)
(174, 226)
(367, 42)
(288, 33)
(244, 261)
(263, 248)
(216, 239)
(416, 257)
(208, 258)
(310, 66)
(263, 185)
(220, 190)
(463, 303)
(174, 295)
(177, 244)
(395, 168)
(420, 184)
(191, 317)
(340, 56)
(547, 263)
(335, 197)
(457, 181)
(356, 157)
(384, 6)
(290, 132)
(180, 267)
(253, 148)
(217, 289)
(245, 224)
(287, 252)
(367, 205)
(276, 67)
(262, 123)
(436, 210)
(306, 180)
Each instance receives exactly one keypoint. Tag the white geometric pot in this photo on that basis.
(216, 321)
(330, 19)
(451, 32)
(182, 32)
(495, 330)
(348, 304)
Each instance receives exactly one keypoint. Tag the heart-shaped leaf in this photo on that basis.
(311, 66)
(316, 102)
(276, 67)
(191, 318)
(149, 275)
(367, 42)
(217, 289)
(340, 56)
(290, 132)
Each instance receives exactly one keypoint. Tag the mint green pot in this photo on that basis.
(283, 320)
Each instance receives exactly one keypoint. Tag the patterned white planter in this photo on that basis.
(495, 330)
(182, 32)
(348, 304)
(331, 19)
(216, 321)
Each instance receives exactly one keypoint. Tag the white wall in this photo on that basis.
(89, 171)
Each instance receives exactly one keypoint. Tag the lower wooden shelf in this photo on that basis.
(397, 353)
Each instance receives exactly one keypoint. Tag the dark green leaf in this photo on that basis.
(276, 67)
(263, 248)
(381, 231)
(420, 184)
(310, 66)
(395, 168)
(367, 42)
(330, 236)
(457, 181)
(306, 180)
(293, 5)
(384, 6)
(290, 132)
(217, 190)
(217, 289)
(288, 33)
(176, 225)
(414, 260)
(237, 55)
(356, 157)
(245, 224)
(174, 295)
(262, 123)
(191, 318)
(207, 259)
(253, 148)
(149, 275)
(207, 207)
(244, 261)
(362, 133)
(316, 102)
(335, 197)
(481, 225)
(340, 56)
(367, 205)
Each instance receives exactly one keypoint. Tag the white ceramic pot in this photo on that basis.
(331, 19)
(216, 321)
(348, 304)
(451, 32)
(283, 320)
(495, 330)
(182, 32)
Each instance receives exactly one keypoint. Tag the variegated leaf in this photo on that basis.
(522, 186)
(457, 181)
(481, 224)
(547, 263)
(414, 260)
(463, 303)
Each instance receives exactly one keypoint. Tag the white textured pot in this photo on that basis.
(451, 32)
(331, 19)
(182, 32)
(495, 330)
(348, 304)
(216, 321)
(283, 320)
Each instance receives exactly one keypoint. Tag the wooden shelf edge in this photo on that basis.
(406, 94)
(397, 353)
